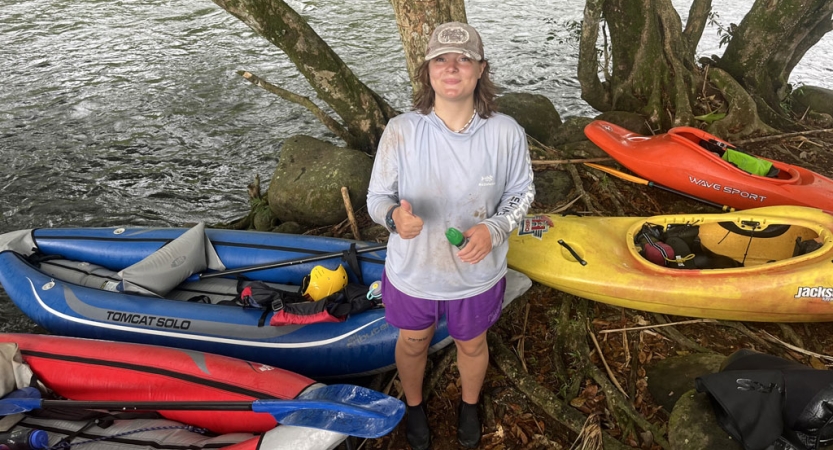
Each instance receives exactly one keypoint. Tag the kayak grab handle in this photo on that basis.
(572, 252)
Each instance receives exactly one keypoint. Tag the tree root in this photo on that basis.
(571, 334)
(678, 337)
(545, 399)
(755, 338)
(560, 347)
(742, 118)
(790, 334)
(621, 407)
(615, 195)
(589, 201)
(438, 370)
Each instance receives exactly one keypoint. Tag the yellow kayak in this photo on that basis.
(772, 264)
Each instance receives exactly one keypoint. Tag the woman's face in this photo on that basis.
(454, 76)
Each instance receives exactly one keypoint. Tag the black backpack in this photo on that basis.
(292, 308)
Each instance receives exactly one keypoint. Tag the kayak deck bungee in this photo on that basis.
(691, 161)
(770, 264)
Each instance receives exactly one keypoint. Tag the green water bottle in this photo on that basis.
(456, 237)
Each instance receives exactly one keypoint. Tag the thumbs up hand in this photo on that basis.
(408, 224)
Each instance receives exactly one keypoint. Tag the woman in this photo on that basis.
(453, 162)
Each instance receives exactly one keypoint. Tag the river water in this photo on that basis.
(131, 112)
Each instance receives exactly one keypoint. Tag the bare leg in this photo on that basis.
(472, 361)
(411, 357)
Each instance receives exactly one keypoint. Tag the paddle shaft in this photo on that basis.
(150, 405)
(701, 200)
(289, 262)
(635, 179)
(361, 411)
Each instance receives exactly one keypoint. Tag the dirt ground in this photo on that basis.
(513, 421)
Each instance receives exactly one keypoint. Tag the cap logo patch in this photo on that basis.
(455, 35)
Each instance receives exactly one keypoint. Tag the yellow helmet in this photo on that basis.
(323, 282)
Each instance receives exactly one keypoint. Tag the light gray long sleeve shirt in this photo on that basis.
(483, 175)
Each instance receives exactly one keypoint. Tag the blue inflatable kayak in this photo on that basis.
(69, 281)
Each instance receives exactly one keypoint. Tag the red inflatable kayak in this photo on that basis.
(697, 163)
(96, 370)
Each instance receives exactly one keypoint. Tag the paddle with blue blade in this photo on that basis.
(342, 408)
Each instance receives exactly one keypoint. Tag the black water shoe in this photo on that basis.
(468, 425)
(418, 433)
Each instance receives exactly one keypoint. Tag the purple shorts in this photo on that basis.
(467, 317)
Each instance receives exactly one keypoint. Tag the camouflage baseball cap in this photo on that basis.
(455, 37)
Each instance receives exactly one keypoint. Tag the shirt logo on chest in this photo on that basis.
(487, 180)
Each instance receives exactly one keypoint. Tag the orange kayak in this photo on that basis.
(772, 264)
(692, 161)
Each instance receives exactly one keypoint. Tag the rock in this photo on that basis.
(583, 149)
(289, 228)
(817, 99)
(552, 187)
(264, 219)
(670, 377)
(375, 233)
(306, 185)
(534, 112)
(572, 130)
(692, 426)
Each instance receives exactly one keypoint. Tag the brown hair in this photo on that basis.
(484, 92)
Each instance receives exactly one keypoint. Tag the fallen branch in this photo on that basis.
(604, 362)
(775, 137)
(565, 207)
(684, 322)
(794, 348)
(548, 162)
(348, 205)
(680, 338)
(590, 437)
(748, 333)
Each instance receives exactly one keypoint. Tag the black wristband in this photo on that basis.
(389, 219)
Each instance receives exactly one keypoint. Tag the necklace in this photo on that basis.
(474, 113)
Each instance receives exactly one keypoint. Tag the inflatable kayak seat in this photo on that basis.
(209, 290)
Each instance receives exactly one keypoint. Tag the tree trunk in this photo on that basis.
(767, 45)
(652, 71)
(416, 20)
(363, 112)
(698, 16)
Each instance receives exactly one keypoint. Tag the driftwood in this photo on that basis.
(348, 205)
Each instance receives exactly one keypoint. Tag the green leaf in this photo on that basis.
(711, 117)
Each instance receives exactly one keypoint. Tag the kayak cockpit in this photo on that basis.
(724, 245)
